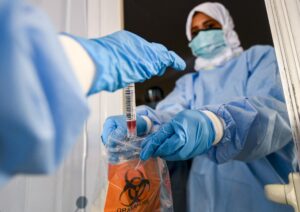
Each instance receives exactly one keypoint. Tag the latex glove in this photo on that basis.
(122, 58)
(188, 134)
(118, 123)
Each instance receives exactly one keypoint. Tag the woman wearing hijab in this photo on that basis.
(229, 117)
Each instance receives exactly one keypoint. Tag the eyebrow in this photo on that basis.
(208, 21)
(204, 24)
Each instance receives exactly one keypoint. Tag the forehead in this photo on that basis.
(200, 18)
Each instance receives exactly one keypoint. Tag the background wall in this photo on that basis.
(164, 21)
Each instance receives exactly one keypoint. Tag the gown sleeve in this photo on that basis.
(42, 106)
(255, 125)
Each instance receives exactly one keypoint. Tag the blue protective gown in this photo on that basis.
(257, 147)
(42, 107)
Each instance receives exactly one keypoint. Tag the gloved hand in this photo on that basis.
(188, 134)
(120, 148)
(114, 137)
(118, 123)
(123, 58)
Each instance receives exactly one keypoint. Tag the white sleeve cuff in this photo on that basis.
(81, 63)
(218, 124)
(148, 122)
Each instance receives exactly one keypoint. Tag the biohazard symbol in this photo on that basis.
(134, 189)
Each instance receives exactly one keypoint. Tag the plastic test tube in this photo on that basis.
(129, 110)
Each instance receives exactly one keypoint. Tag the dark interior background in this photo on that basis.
(163, 21)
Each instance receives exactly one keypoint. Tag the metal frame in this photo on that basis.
(284, 16)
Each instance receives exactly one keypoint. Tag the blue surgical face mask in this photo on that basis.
(208, 43)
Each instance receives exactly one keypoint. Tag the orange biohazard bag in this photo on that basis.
(135, 185)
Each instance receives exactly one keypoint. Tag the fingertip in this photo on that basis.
(103, 140)
(177, 62)
(144, 143)
(144, 156)
(104, 137)
(107, 130)
(173, 60)
(142, 125)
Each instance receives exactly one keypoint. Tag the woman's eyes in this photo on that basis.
(195, 33)
(210, 26)
(206, 27)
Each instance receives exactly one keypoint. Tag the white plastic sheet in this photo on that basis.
(284, 18)
(78, 176)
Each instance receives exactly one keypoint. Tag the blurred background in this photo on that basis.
(163, 21)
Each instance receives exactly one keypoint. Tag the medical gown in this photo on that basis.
(257, 147)
(42, 107)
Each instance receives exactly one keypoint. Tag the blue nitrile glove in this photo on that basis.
(120, 148)
(188, 134)
(114, 137)
(114, 123)
(122, 58)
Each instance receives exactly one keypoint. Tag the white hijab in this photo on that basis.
(218, 12)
